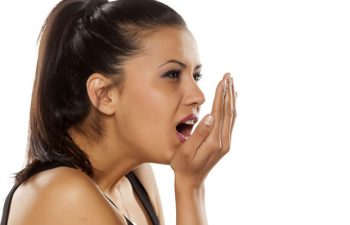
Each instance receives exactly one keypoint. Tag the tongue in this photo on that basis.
(184, 129)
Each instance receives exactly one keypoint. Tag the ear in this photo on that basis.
(102, 94)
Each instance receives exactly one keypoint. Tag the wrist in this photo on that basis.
(188, 186)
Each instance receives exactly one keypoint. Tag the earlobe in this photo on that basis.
(99, 91)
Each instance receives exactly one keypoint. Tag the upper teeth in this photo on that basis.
(190, 122)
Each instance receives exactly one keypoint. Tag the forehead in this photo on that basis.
(170, 43)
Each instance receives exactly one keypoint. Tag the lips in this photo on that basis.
(185, 126)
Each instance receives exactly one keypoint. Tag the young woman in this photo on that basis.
(115, 89)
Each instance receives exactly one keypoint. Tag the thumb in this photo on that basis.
(190, 147)
(201, 132)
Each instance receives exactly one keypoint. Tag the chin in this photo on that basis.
(164, 157)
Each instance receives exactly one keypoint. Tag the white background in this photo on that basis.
(290, 157)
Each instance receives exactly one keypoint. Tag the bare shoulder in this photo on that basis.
(145, 174)
(61, 196)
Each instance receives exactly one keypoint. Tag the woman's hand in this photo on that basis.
(209, 142)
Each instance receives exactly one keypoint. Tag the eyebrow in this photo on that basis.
(180, 63)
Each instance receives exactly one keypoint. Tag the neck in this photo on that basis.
(110, 160)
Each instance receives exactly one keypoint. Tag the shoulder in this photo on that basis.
(61, 196)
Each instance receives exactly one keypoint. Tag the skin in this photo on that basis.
(140, 127)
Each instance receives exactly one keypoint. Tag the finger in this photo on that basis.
(213, 143)
(217, 109)
(225, 135)
(228, 121)
(234, 98)
(230, 115)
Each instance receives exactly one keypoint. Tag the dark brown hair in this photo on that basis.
(79, 38)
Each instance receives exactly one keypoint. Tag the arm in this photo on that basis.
(190, 206)
(200, 153)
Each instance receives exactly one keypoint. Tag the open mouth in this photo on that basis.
(185, 126)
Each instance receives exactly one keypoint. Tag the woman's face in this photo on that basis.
(160, 91)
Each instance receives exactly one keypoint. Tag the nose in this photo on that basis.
(193, 95)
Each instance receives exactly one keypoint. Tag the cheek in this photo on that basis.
(150, 119)
(150, 110)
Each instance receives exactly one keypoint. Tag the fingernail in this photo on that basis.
(231, 84)
(209, 121)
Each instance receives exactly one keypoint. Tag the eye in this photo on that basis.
(172, 74)
(197, 77)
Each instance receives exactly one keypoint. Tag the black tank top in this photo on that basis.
(135, 183)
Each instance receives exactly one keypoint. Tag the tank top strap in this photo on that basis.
(143, 196)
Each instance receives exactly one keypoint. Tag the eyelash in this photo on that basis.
(197, 77)
(175, 74)
(172, 74)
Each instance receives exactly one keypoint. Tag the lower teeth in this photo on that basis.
(184, 136)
